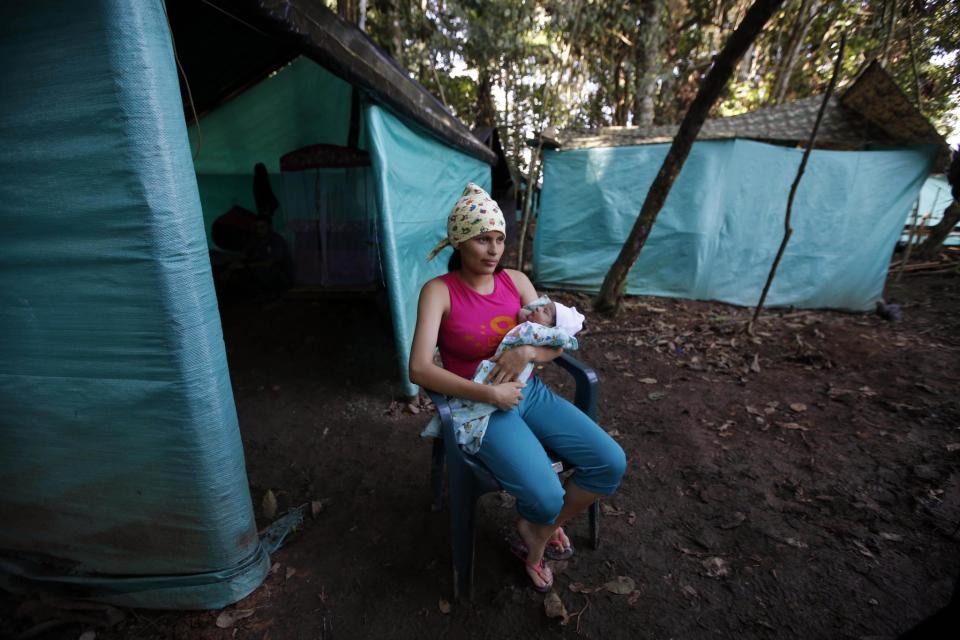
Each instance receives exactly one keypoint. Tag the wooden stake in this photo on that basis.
(787, 230)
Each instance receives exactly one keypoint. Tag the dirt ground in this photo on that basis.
(800, 484)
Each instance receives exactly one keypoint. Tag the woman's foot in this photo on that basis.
(559, 546)
(540, 576)
(535, 538)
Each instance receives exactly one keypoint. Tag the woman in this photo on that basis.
(466, 312)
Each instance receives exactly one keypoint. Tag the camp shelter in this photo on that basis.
(121, 462)
(277, 79)
(722, 223)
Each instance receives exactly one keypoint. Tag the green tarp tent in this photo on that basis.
(722, 223)
(121, 462)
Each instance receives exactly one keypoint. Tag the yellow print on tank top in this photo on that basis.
(492, 333)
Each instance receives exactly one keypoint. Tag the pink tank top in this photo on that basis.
(476, 323)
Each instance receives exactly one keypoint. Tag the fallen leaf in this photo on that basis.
(621, 585)
(610, 510)
(634, 596)
(656, 395)
(553, 607)
(268, 507)
(794, 425)
(953, 446)
(614, 433)
(579, 587)
(716, 567)
(755, 364)
(648, 380)
(275, 568)
(798, 407)
(892, 537)
(862, 548)
(444, 606)
(689, 591)
(290, 573)
(412, 408)
(753, 410)
(227, 619)
(631, 518)
(867, 392)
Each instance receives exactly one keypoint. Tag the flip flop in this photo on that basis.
(556, 550)
(540, 569)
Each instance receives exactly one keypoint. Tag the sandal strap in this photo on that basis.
(540, 570)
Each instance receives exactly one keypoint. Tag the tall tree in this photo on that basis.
(611, 292)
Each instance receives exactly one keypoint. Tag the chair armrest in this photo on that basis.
(443, 410)
(586, 381)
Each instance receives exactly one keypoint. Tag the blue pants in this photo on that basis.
(513, 449)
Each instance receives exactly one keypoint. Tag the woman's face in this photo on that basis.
(481, 254)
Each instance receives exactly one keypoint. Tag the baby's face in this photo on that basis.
(544, 315)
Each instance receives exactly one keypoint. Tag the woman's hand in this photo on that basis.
(509, 365)
(507, 395)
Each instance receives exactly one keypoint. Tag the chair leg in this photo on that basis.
(463, 504)
(595, 525)
(436, 475)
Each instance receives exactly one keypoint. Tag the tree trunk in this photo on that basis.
(808, 10)
(486, 112)
(938, 234)
(712, 86)
(647, 63)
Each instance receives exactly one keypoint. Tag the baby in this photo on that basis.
(543, 323)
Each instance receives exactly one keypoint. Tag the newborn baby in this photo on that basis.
(543, 323)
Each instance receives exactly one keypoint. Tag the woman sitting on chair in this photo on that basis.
(466, 313)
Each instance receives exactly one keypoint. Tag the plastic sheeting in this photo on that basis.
(935, 197)
(121, 463)
(300, 104)
(418, 182)
(722, 224)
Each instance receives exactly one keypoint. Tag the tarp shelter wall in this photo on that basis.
(298, 105)
(722, 223)
(418, 181)
(121, 461)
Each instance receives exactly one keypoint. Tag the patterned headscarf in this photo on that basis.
(475, 213)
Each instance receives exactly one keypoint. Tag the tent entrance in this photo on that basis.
(330, 207)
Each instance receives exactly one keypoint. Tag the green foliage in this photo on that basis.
(585, 63)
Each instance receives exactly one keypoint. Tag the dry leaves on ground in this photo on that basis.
(553, 607)
(227, 619)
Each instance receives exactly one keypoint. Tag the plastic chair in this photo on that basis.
(468, 478)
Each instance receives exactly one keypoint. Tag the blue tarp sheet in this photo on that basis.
(720, 228)
(935, 197)
(418, 182)
(121, 462)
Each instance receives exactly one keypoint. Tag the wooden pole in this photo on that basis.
(787, 230)
(910, 237)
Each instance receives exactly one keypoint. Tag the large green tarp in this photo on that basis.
(418, 182)
(721, 226)
(121, 462)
